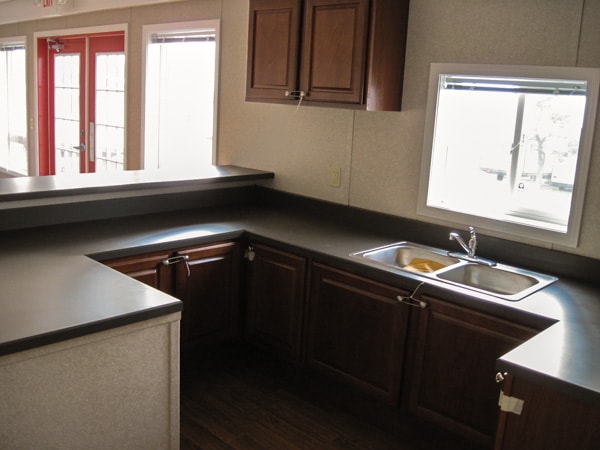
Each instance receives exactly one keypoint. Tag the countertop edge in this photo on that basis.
(34, 188)
(54, 337)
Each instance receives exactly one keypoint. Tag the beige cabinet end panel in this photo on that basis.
(113, 389)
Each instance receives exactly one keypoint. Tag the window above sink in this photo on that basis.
(507, 148)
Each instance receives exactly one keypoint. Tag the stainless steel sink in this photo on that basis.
(410, 256)
(506, 282)
(499, 280)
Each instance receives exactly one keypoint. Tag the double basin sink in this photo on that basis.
(499, 280)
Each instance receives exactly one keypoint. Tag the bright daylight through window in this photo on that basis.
(180, 95)
(507, 148)
(13, 109)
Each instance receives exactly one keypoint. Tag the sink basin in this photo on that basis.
(410, 256)
(506, 282)
(499, 280)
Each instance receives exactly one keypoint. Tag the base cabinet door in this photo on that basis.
(275, 300)
(549, 420)
(208, 286)
(205, 278)
(357, 331)
(452, 381)
(148, 268)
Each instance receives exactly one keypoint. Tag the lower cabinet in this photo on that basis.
(436, 359)
(549, 420)
(356, 331)
(208, 285)
(147, 268)
(275, 282)
(205, 278)
(453, 367)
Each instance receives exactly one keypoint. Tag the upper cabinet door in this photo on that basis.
(334, 49)
(274, 31)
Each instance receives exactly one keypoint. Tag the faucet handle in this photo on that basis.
(472, 242)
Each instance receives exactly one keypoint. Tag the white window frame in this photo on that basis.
(498, 227)
(181, 27)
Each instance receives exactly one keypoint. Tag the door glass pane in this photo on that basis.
(66, 113)
(110, 107)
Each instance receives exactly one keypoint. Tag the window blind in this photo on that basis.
(10, 46)
(194, 36)
(517, 85)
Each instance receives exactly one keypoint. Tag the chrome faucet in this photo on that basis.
(471, 247)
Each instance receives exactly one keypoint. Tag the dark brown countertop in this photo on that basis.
(52, 290)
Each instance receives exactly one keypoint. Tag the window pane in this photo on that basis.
(66, 113)
(472, 151)
(509, 151)
(495, 154)
(180, 83)
(110, 112)
(13, 111)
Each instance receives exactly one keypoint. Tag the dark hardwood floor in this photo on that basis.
(235, 397)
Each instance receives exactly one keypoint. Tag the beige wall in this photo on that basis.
(379, 153)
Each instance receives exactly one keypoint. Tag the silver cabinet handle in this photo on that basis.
(411, 300)
(177, 260)
(80, 147)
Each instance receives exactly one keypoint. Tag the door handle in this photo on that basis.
(80, 147)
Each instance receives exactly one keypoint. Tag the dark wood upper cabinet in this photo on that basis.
(335, 52)
(273, 44)
(334, 48)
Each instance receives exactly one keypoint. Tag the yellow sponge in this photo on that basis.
(423, 265)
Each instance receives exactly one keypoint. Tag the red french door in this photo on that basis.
(81, 100)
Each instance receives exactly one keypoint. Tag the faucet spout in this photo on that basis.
(471, 247)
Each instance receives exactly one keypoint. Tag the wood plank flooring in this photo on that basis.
(236, 398)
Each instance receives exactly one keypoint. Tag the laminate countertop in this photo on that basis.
(54, 288)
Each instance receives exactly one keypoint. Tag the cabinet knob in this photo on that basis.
(249, 254)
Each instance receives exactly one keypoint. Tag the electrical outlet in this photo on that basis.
(335, 176)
